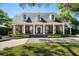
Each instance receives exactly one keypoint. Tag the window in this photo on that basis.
(24, 16)
(52, 16)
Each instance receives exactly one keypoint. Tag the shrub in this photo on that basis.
(6, 48)
(10, 35)
(22, 35)
(38, 35)
(75, 31)
(19, 35)
(4, 30)
(0, 37)
(55, 36)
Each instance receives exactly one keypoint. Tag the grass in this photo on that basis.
(42, 49)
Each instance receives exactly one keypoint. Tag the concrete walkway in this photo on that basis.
(12, 43)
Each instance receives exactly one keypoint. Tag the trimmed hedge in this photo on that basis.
(37, 35)
(22, 35)
(16, 36)
(56, 36)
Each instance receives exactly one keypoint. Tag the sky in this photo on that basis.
(13, 9)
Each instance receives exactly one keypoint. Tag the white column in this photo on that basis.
(33, 28)
(43, 28)
(63, 28)
(14, 29)
(53, 29)
(23, 29)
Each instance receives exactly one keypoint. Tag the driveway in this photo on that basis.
(37, 40)
(16, 42)
(65, 39)
(12, 43)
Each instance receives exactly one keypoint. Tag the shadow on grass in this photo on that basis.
(68, 48)
(39, 51)
(43, 51)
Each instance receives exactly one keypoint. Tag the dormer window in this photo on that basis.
(52, 17)
(29, 20)
(43, 20)
(24, 16)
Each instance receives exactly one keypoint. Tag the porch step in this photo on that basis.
(38, 35)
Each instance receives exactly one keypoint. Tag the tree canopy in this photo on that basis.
(68, 12)
(5, 19)
(71, 7)
(24, 5)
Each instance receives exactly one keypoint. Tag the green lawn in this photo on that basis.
(44, 49)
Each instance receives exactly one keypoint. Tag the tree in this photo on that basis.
(72, 7)
(67, 17)
(69, 6)
(24, 5)
(69, 11)
(5, 19)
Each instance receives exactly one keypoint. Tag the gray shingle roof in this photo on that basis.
(33, 17)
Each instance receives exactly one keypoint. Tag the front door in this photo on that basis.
(39, 30)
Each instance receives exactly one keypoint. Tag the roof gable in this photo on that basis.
(33, 18)
(43, 20)
(28, 20)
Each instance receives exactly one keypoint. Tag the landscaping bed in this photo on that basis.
(42, 49)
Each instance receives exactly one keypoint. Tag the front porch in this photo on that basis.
(55, 28)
